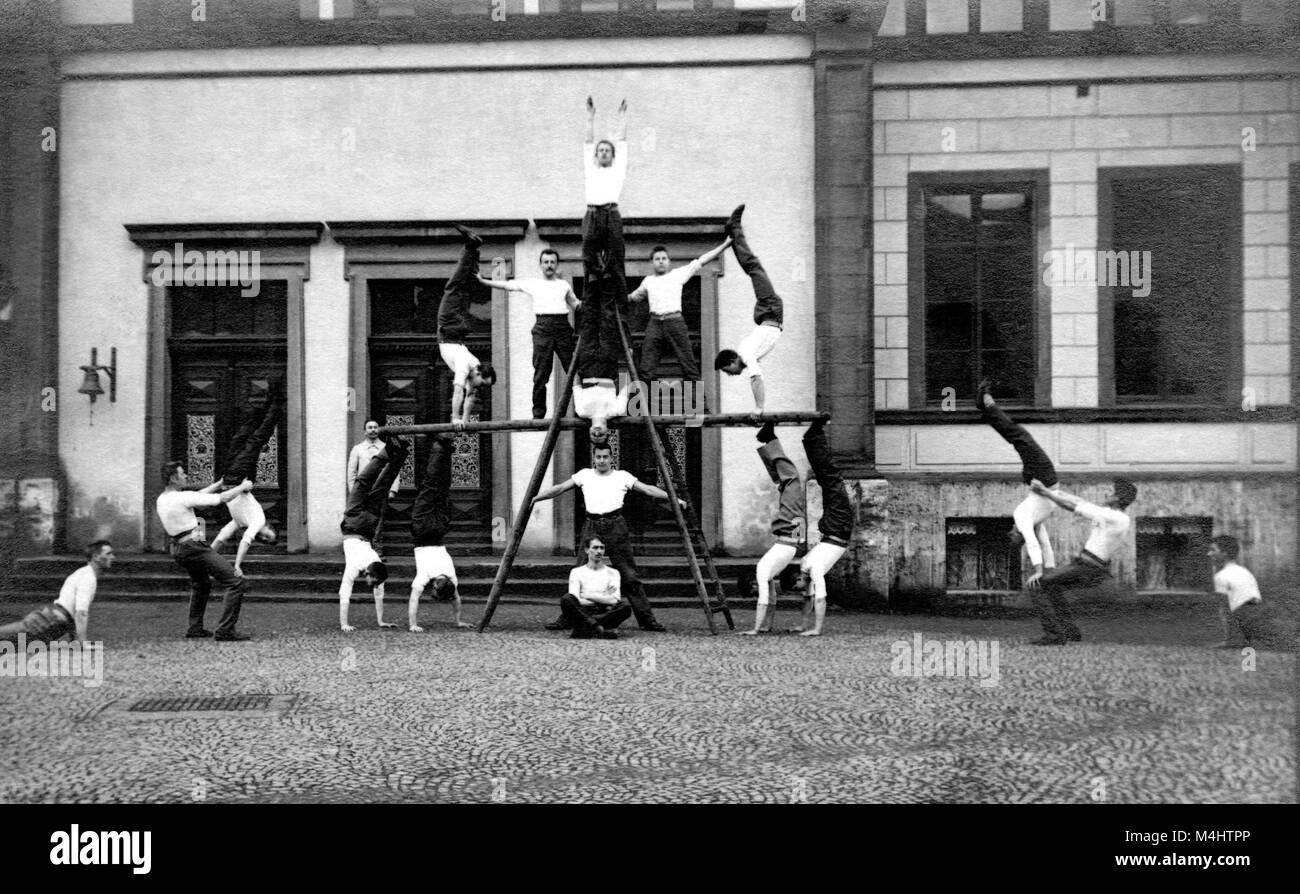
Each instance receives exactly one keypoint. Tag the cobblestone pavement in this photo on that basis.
(1143, 711)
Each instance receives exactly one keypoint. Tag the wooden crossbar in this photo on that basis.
(707, 420)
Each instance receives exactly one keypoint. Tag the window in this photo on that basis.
(1173, 292)
(411, 306)
(223, 311)
(978, 288)
(1171, 553)
(326, 10)
(980, 555)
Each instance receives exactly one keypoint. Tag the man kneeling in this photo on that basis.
(593, 606)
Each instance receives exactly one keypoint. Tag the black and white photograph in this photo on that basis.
(629, 402)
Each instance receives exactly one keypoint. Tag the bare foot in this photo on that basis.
(415, 628)
(347, 628)
(463, 626)
(811, 633)
(747, 633)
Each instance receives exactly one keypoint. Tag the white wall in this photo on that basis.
(404, 144)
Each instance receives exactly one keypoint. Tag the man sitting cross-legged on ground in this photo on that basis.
(593, 606)
(1110, 525)
(70, 613)
(366, 504)
(836, 524)
(769, 316)
(468, 373)
(603, 491)
(1030, 516)
(245, 511)
(667, 327)
(786, 526)
(430, 521)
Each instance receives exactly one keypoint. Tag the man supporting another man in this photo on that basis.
(769, 316)
(361, 521)
(70, 613)
(836, 525)
(430, 521)
(467, 372)
(593, 606)
(603, 491)
(553, 298)
(175, 508)
(245, 510)
(1092, 566)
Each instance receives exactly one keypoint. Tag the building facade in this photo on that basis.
(930, 185)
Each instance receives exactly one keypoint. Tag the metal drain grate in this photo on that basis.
(199, 703)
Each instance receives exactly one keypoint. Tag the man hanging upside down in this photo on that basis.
(468, 373)
(366, 504)
(1031, 515)
(430, 522)
(785, 527)
(245, 511)
(769, 316)
(836, 524)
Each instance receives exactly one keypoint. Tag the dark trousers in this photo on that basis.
(767, 303)
(1246, 624)
(203, 565)
(602, 248)
(599, 343)
(49, 622)
(429, 516)
(369, 496)
(249, 441)
(786, 478)
(618, 553)
(837, 510)
(552, 335)
(584, 618)
(670, 332)
(1049, 598)
(453, 310)
(1033, 459)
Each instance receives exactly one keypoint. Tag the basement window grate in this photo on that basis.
(204, 703)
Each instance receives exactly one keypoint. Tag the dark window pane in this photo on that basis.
(234, 311)
(191, 310)
(948, 369)
(271, 308)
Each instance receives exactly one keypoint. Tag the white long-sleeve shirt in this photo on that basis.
(1109, 528)
(176, 509)
(604, 184)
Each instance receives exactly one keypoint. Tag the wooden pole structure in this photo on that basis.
(708, 421)
(553, 427)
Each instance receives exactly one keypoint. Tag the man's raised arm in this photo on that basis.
(591, 121)
(713, 253)
(620, 133)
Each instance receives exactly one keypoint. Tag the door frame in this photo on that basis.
(424, 250)
(285, 255)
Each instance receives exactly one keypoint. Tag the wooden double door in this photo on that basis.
(212, 385)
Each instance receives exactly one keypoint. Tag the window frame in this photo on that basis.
(1231, 391)
(917, 183)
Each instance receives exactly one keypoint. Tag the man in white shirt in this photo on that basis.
(363, 452)
(1243, 623)
(552, 300)
(468, 373)
(1110, 526)
(365, 507)
(430, 521)
(667, 326)
(245, 511)
(593, 606)
(70, 613)
(787, 526)
(175, 508)
(769, 316)
(603, 490)
(605, 287)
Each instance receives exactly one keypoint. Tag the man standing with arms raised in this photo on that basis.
(667, 326)
(603, 490)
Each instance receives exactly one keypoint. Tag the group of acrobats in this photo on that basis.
(605, 589)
